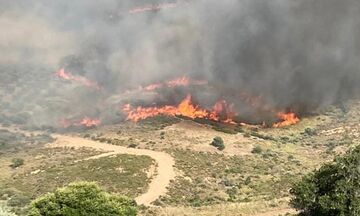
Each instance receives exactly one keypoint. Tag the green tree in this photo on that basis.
(332, 190)
(82, 199)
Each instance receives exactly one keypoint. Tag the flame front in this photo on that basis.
(82, 80)
(287, 119)
(152, 8)
(85, 122)
(186, 108)
(221, 112)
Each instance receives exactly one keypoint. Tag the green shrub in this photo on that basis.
(82, 199)
(257, 150)
(310, 131)
(331, 190)
(218, 142)
(16, 162)
(18, 201)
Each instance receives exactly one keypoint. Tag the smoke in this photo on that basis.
(296, 54)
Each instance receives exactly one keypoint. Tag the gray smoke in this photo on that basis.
(296, 54)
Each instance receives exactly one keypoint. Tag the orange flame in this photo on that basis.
(86, 122)
(181, 81)
(185, 108)
(82, 80)
(152, 8)
(222, 109)
(287, 119)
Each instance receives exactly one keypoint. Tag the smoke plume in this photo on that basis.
(296, 54)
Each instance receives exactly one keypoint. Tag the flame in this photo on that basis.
(82, 80)
(287, 119)
(152, 8)
(181, 81)
(153, 87)
(186, 108)
(86, 122)
(222, 112)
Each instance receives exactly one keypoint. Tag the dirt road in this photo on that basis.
(165, 163)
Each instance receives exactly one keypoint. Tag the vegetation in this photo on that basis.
(16, 162)
(257, 150)
(18, 200)
(82, 199)
(125, 174)
(218, 142)
(5, 212)
(216, 178)
(14, 142)
(331, 190)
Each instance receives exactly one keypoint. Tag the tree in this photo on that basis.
(82, 199)
(332, 190)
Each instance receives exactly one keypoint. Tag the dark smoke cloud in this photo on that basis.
(298, 54)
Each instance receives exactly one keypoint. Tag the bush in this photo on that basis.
(82, 199)
(310, 131)
(16, 162)
(5, 212)
(332, 190)
(218, 142)
(18, 201)
(257, 150)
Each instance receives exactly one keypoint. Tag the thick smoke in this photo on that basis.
(296, 54)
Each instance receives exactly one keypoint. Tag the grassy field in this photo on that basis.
(45, 169)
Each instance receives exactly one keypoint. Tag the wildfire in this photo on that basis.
(152, 8)
(179, 81)
(85, 122)
(186, 108)
(221, 112)
(287, 119)
(82, 80)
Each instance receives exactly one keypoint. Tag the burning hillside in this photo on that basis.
(221, 111)
(247, 62)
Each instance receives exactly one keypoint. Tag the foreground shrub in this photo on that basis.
(82, 199)
(332, 190)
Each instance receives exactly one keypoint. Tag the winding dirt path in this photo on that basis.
(165, 163)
